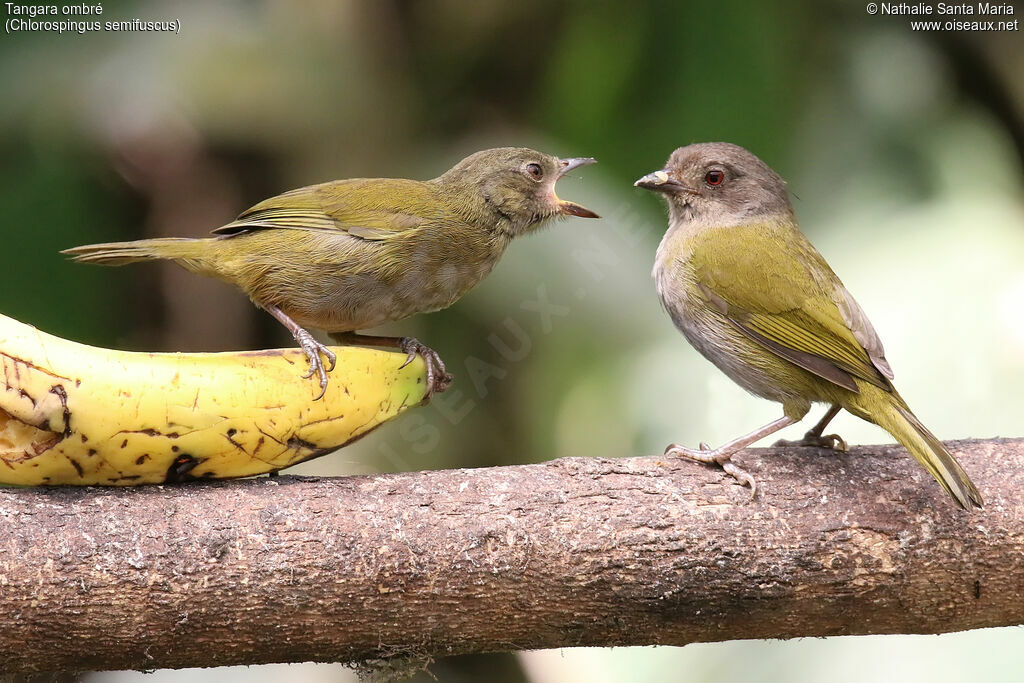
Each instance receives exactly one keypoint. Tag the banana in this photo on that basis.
(80, 415)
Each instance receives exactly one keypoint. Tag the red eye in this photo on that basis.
(714, 178)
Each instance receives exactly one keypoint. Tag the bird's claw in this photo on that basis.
(708, 456)
(742, 476)
(438, 378)
(703, 454)
(830, 441)
(313, 349)
(835, 442)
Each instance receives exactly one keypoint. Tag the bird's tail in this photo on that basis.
(193, 254)
(895, 417)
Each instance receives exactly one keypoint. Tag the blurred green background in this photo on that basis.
(903, 150)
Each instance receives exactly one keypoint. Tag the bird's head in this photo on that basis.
(516, 186)
(718, 183)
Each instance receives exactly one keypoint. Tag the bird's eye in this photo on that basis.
(714, 178)
(535, 171)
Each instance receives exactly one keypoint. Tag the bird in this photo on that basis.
(753, 296)
(350, 255)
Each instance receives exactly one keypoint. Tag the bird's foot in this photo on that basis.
(831, 441)
(719, 456)
(313, 349)
(438, 378)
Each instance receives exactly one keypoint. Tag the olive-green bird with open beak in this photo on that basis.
(353, 254)
(751, 294)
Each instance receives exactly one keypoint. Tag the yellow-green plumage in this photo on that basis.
(354, 254)
(751, 293)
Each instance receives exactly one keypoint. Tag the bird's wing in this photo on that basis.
(368, 209)
(791, 303)
(862, 329)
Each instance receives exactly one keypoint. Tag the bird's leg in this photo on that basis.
(814, 436)
(721, 455)
(438, 378)
(311, 346)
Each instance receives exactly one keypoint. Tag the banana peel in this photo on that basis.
(72, 414)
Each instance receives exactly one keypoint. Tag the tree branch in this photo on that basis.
(565, 553)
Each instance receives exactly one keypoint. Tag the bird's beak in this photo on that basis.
(569, 164)
(661, 181)
(572, 208)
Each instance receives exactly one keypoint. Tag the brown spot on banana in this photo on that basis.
(180, 468)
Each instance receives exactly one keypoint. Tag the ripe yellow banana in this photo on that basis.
(76, 414)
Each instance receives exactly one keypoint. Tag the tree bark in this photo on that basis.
(571, 552)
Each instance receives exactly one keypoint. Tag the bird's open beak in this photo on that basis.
(569, 164)
(661, 181)
(572, 208)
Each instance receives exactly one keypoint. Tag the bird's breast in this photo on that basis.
(419, 276)
(431, 282)
(708, 330)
